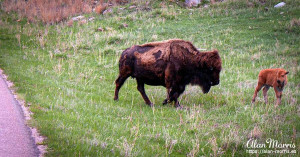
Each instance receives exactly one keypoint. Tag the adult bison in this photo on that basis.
(173, 64)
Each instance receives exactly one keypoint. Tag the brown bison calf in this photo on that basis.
(172, 64)
(267, 78)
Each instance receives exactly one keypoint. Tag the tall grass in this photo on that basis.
(67, 74)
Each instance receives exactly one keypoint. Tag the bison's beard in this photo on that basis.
(205, 85)
(205, 88)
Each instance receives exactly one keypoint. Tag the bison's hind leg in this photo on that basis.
(257, 89)
(125, 72)
(265, 93)
(119, 82)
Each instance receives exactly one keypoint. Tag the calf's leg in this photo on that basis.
(141, 89)
(257, 89)
(278, 96)
(265, 93)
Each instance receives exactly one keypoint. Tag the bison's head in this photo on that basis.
(214, 76)
(211, 78)
(211, 68)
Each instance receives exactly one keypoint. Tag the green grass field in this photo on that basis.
(66, 75)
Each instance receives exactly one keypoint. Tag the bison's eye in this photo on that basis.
(211, 68)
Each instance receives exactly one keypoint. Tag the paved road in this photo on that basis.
(15, 136)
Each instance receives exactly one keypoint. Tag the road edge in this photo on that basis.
(36, 136)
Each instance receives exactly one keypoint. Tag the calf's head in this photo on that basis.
(281, 78)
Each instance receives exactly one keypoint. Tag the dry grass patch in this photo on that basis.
(295, 22)
(53, 11)
(48, 11)
(294, 25)
(256, 133)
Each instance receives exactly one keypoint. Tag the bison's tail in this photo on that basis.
(126, 63)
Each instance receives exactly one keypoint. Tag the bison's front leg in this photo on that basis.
(167, 100)
(141, 89)
(175, 93)
(169, 77)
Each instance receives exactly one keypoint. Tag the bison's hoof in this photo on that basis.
(116, 99)
(179, 107)
(165, 102)
(151, 105)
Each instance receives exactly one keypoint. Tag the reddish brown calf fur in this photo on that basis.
(276, 78)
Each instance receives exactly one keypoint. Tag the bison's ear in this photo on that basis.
(287, 72)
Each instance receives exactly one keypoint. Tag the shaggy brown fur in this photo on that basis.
(276, 78)
(172, 64)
